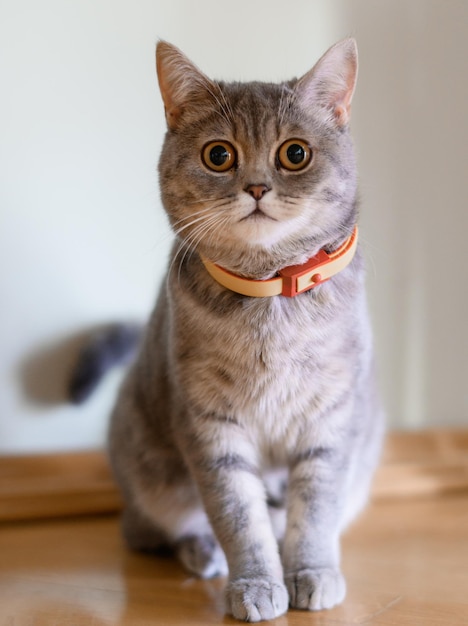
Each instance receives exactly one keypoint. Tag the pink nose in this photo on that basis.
(257, 191)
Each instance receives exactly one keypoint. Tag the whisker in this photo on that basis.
(220, 203)
(225, 111)
(174, 228)
(285, 101)
(200, 233)
(226, 106)
(227, 103)
(209, 199)
(214, 231)
(202, 215)
(280, 109)
(186, 242)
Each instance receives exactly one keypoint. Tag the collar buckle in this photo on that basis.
(300, 278)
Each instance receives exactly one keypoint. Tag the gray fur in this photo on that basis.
(104, 348)
(227, 389)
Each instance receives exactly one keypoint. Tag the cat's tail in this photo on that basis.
(105, 348)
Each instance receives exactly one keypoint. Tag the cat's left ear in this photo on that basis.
(331, 82)
(183, 86)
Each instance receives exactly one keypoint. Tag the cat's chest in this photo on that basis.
(263, 338)
(268, 364)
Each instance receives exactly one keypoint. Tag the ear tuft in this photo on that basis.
(331, 82)
(180, 81)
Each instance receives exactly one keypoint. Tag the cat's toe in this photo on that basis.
(203, 556)
(316, 589)
(253, 599)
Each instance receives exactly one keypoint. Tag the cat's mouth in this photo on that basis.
(257, 214)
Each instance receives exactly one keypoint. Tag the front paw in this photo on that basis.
(256, 599)
(202, 555)
(315, 589)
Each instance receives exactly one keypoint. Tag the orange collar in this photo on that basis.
(291, 280)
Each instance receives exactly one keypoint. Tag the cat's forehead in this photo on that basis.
(257, 110)
(254, 94)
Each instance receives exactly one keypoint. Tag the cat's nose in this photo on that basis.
(257, 191)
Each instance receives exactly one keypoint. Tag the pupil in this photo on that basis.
(219, 155)
(295, 153)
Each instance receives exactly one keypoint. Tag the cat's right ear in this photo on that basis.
(331, 82)
(181, 83)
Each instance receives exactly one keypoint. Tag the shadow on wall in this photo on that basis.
(69, 370)
(411, 132)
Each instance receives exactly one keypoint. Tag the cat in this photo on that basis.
(246, 432)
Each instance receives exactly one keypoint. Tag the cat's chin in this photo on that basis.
(260, 230)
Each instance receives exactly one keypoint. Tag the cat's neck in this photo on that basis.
(291, 279)
(260, 263)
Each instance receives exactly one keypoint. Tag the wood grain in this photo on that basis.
(405, 561)
(423, 463)
(55, 485)
(414, 464)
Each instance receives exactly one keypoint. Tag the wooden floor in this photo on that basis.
(406, 562)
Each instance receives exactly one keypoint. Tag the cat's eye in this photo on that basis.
(294, 154)
(219, 156)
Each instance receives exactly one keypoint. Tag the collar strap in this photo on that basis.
(291, 280)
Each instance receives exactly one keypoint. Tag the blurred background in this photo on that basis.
(83, 237)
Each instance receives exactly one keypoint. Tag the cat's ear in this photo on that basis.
(331, 82)
(181, 83)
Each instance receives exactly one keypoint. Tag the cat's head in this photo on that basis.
(257, 175)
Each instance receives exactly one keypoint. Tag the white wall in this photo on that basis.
(83, 239)
(412, 132)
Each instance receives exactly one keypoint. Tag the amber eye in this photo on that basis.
(294, 154)
(219, 156)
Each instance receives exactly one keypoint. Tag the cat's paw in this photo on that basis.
(315, 589)
(256, 599)
(203, 556)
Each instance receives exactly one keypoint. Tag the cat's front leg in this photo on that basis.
(234, 497)
(311, 551)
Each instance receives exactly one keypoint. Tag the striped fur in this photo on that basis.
(231, 396)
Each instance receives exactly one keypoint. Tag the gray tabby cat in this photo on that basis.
(233, 396)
